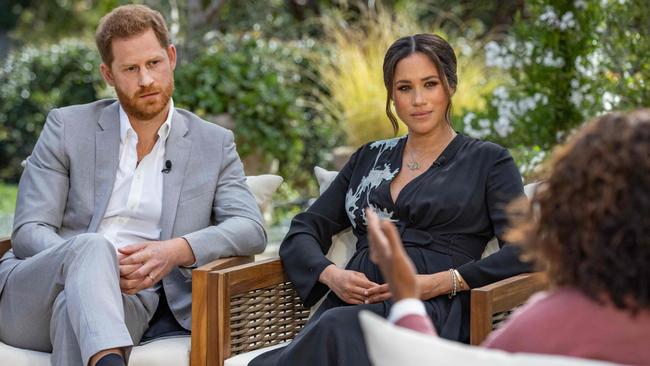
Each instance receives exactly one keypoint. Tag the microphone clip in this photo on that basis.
(168, 167)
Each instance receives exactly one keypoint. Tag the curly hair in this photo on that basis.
(589, 222)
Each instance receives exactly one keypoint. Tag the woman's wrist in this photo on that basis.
(326, 274)
(432, 285)
(462, 285)
(440, 283)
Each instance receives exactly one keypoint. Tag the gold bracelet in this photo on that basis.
(454, 283)
(460, 279)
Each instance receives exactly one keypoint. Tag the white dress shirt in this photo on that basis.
(135, 206)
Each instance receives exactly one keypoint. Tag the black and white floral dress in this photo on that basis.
(445, 217)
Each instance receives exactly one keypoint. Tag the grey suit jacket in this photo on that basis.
(68, 180)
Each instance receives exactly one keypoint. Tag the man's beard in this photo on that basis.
(145, 110)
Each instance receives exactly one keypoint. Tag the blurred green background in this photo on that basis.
(298, 79)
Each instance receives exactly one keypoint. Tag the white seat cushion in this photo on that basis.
(244, 358)
(163, 352)
(390, 345)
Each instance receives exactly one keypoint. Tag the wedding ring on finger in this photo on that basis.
(151, 277)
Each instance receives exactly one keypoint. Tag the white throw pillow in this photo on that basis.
(263, 186)
(390, 345)
(493, 245)
(343, 243)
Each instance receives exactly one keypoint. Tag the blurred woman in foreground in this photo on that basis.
(589, 226)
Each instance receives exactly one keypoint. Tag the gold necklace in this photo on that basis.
(413, 164)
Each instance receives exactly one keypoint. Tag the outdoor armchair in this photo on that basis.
(256, 307)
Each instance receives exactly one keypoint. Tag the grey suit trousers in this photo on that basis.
(67, 300)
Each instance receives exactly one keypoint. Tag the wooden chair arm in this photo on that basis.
(255, 306)
(204, 298)
(5, 245)
(498, 297)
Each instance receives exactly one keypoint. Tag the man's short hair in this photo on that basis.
(125, 22)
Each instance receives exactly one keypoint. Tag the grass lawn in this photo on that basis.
(7, 206)
(8, 198)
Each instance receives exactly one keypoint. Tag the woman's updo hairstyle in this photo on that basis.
(437, 50)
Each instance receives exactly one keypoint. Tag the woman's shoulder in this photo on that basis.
(383, 145)
(476, 146)
(373, 148)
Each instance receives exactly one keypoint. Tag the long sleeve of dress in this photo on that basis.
(503, 185)
(310, 237)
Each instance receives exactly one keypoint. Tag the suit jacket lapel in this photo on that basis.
(107, 150)
(177, 150)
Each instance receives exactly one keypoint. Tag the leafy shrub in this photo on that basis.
(32, 82)
(270, 90)
(567, 61)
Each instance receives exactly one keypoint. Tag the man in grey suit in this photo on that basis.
(118, 201)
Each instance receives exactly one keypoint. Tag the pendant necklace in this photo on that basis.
(412, 165)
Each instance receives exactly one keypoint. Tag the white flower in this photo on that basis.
(484, 123)
(576, 98)
(550, 61)
(549, 16)
(580, 4)
(469, 117)
(568, 21)
(493, 54)
(610, 101)
(503, 127)
(500, 92)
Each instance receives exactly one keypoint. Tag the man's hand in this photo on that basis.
(350, 286)
(144, 264)
(387, 251)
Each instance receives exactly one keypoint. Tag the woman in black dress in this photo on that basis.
(445, 192)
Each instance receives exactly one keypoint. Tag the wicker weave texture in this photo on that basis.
(265, 317)
(499, 319)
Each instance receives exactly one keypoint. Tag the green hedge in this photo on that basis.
(567, 61)
(271, 91)
(269, 88)
(32, 82)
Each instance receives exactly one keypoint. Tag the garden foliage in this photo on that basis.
(32, 82)
(567, 61)
(270, 90)
(267, 88)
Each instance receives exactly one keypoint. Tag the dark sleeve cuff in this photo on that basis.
(500, 265)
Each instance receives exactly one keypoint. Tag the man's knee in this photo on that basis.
(97, 244)
(91, 241)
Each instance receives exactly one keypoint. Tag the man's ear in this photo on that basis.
(171, 53)
(107, 74)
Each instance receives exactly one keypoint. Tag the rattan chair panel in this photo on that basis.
(265, 317)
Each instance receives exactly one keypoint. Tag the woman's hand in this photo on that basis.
(350, 286)
(387, 251)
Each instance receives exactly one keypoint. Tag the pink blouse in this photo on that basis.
(566, 322)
